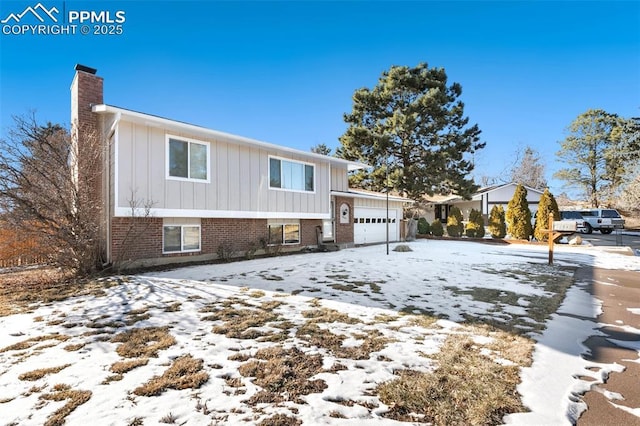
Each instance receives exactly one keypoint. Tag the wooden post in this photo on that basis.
(551, 238)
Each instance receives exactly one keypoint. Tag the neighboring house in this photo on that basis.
(484, 200)
(172, 191)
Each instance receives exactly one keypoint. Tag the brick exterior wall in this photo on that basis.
(135, 238)
(141, 238)
(344, 231)
(308, 229)
(237, 234)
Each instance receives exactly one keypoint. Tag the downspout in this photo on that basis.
(113, 132)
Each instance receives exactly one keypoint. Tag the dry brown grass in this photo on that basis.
(372, 341)
(21, 289)
(174, 307)
(466, 388)
(242, 323)
(122, 367)
(280, 420)
(26, 344)
(185, 372)
(137, 315)
(143, 342)
(283, 374)
(41, 372)
(74, 398)
(73, 348)
(329, 315)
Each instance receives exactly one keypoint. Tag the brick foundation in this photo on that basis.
(135, 239)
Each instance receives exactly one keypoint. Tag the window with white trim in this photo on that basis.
(180, 238)
(284, 233)
(291, 175)
(187, 159)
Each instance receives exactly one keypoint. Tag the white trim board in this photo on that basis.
(217, 214)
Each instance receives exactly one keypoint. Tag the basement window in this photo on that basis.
(284, 233)
(180, 239)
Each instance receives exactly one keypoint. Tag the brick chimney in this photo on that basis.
(86, 91)
(88, 144)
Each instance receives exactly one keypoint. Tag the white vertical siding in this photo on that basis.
(339, 180)
(238, 181)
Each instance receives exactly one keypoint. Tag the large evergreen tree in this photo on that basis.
(411, 128)
(547, 205)
(321, 148)
(599, 150)
(518, 215)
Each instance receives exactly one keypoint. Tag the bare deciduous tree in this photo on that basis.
(43, 193)
(528, 169)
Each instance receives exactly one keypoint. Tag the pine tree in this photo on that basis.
(497, 226)
(454, 222)
(547, 205)
(413, 121)
(600, 150)
(518, 215)
(475, 226)
(436, 228)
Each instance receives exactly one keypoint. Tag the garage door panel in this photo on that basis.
(370, 225)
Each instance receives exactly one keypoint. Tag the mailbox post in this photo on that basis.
(557, 229)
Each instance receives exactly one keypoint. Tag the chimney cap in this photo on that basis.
(85, 68)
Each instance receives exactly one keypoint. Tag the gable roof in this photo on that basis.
(492, 188)
(453, 198)
(179, 126)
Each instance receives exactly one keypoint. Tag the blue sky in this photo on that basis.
(284, 72)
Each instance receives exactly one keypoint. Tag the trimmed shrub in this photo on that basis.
(423, 226)
(436, 228)
(475, 227)
(454, 222)
(497, 226)
(518, 215)
(546, 206)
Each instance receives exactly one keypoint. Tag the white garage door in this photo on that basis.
(370, 226)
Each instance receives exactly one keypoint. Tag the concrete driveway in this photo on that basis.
(625, 238)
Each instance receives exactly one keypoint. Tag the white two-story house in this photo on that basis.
(171, 191)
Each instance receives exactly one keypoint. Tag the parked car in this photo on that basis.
(603, 220)
(574, 216)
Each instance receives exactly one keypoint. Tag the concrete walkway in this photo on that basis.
(619, 291)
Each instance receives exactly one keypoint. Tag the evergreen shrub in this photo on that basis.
(454, 222)
(436, 228)
(423, 226)
(475, 226)
(497, 225)
(547, 205)
(518, 215)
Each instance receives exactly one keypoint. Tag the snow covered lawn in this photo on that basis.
(322, 338)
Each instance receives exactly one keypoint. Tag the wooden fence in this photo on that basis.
(26, 260)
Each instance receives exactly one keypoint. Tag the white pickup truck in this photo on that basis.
(603, 220)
